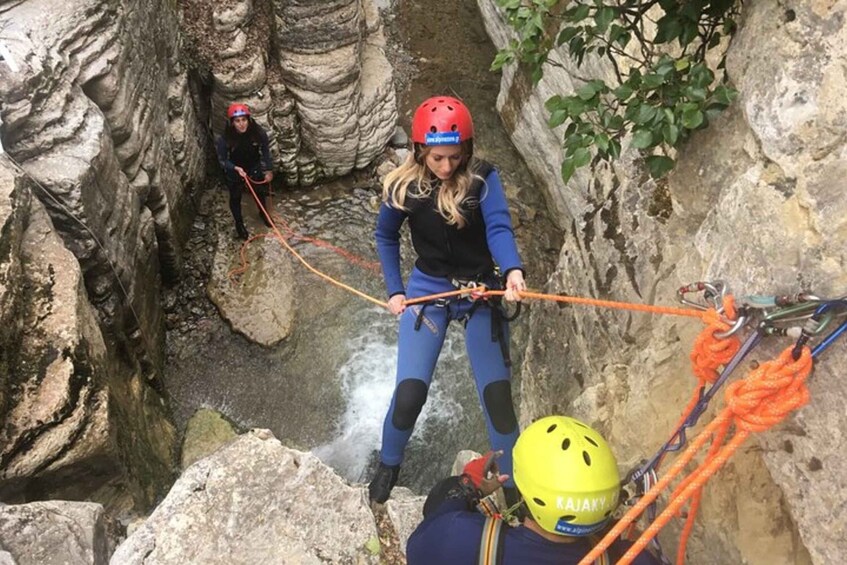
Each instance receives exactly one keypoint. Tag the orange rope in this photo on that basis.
(765, 398)
(709, 353)
(305, 263)
(479, 292)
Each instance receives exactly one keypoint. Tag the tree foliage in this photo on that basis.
(663, 87)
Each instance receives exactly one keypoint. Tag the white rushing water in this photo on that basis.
(367, 380)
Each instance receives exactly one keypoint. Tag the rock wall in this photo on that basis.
(313, 72)
(755, 201)
(99, 114)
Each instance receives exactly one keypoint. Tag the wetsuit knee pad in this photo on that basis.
(408, 403)
(498, 403)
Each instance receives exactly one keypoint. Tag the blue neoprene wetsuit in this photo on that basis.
(419, 348)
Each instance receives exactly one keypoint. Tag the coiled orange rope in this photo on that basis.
(757, 403)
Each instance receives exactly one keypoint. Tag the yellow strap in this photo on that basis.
(489, 541)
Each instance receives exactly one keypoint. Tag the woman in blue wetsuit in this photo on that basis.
(462, 234)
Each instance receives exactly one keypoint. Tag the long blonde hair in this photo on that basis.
(414, 173)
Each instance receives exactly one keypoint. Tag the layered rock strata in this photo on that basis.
(316, 77)
(74, 422)
(755, 200)
(98, 113)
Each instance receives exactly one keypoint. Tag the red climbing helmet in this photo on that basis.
(236, 110)
(442, 120)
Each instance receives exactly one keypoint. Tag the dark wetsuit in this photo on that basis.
(251, 153)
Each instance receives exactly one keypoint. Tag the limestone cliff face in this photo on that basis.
(756, 200)
(97, 112)
(315, 75)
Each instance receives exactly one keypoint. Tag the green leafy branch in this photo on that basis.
(663, 87)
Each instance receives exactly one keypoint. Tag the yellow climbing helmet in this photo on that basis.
(567, 475)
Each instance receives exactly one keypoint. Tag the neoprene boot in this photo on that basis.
(384, 480)
(241, 230)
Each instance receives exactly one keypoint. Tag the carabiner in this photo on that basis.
(739, 323)
(714, 292)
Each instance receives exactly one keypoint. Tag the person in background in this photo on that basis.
(568, 479)
(243, 149)
(462, 235)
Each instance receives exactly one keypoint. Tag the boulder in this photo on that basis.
(55, 532)
(256, 501)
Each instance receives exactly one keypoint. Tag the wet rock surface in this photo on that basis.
(67, 410)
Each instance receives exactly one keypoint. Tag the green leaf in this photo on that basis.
(615, 32)
(725, 95)
(581, 157)
(645, 114)
(670, 133)
(616, 123)
(692, 119)
(682, 64)
(572, 143)
(566, 35)
(601, 140)
(587, 91)
(695, 93)
(623, 92)
(659, 165)
(614, 148)
(580, 13)
(557, 118)
(576, 45)
(568, 169)
(570, 129)
(537, 73)
(553, 103)
(502, 58)
(715, 40)
(689, 32)
(652, 80)
(603, 17)
(373, 546)
(668, 28)
(509, 4)
(642, 139)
